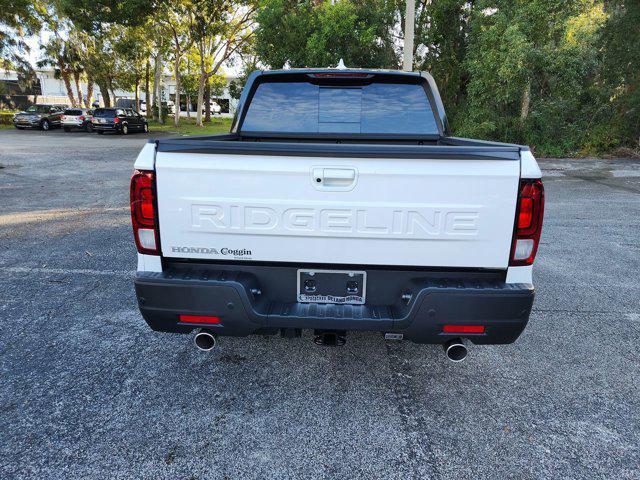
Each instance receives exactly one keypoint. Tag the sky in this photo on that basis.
(34, 42)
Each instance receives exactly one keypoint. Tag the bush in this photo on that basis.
(6, 118)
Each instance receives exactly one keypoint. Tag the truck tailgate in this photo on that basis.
(434, 212)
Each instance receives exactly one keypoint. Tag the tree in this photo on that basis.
(178, 17)
(56, 53)
(313, 34)
(530, 69)
(250, 64)
(19, 18)
(95, 16)
(132, 51)
(620, 39)
(442, 33)
(99, 61)
(93, 22)
(222, 28)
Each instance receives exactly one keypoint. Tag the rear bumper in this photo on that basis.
(106, 127)
(75, 124)
(247, 305)
(27, 124)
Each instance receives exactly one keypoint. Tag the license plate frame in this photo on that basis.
(331, 286)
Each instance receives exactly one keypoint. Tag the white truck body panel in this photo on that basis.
(364, 211)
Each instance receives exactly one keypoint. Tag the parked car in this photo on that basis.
(214, 108)
(168, 106)
(79, 118)
(339, 201)
(120, 120)
(126, 103)
(43, 117)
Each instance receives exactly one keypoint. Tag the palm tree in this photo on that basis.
(55, 54)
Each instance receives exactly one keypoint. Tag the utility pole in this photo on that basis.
(409, 23)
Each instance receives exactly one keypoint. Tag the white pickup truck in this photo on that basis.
(338, 202)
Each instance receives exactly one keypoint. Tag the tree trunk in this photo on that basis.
(76, 78)
(201, 83)
(147, 86)
(157, 82)
(67, 83)
(526, 103)
(89, 91)
(207, 102)
(176, 101)
(188, 102)
(104, 90)
(112, 90)
(137, 94)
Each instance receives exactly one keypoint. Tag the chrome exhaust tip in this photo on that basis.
(455, 350)
(205, 341)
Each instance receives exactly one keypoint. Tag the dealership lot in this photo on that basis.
(88, 391)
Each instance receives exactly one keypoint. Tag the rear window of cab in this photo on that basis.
(307, 107)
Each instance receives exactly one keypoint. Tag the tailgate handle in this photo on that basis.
(334, 178)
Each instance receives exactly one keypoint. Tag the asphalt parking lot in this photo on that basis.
(88, 391)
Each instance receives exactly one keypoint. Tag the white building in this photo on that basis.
(54, 91)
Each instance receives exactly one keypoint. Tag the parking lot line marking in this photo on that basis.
(17, 218)
(68, 271)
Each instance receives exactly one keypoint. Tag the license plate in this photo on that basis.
(102, 120)
(346, 287)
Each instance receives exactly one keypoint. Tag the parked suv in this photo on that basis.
(121, 120)
(77, 118)
(43, 117)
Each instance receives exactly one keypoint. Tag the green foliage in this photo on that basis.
(535, 76)
(236, 86)
(6, 118)
(441, 32)
(311, 33)
(19, 18)
(132, 48)
(621, 61)
(94, 15)
(560, 75)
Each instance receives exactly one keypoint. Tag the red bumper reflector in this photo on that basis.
(199, 319)
(463, 329)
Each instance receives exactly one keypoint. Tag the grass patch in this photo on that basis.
(188, 126)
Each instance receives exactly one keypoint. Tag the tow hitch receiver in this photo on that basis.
(333, 338)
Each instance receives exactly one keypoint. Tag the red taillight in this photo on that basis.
(199, 319)
(528, 225)
(143, 212)
(116, 120)
(463, 329)
(81, 117)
